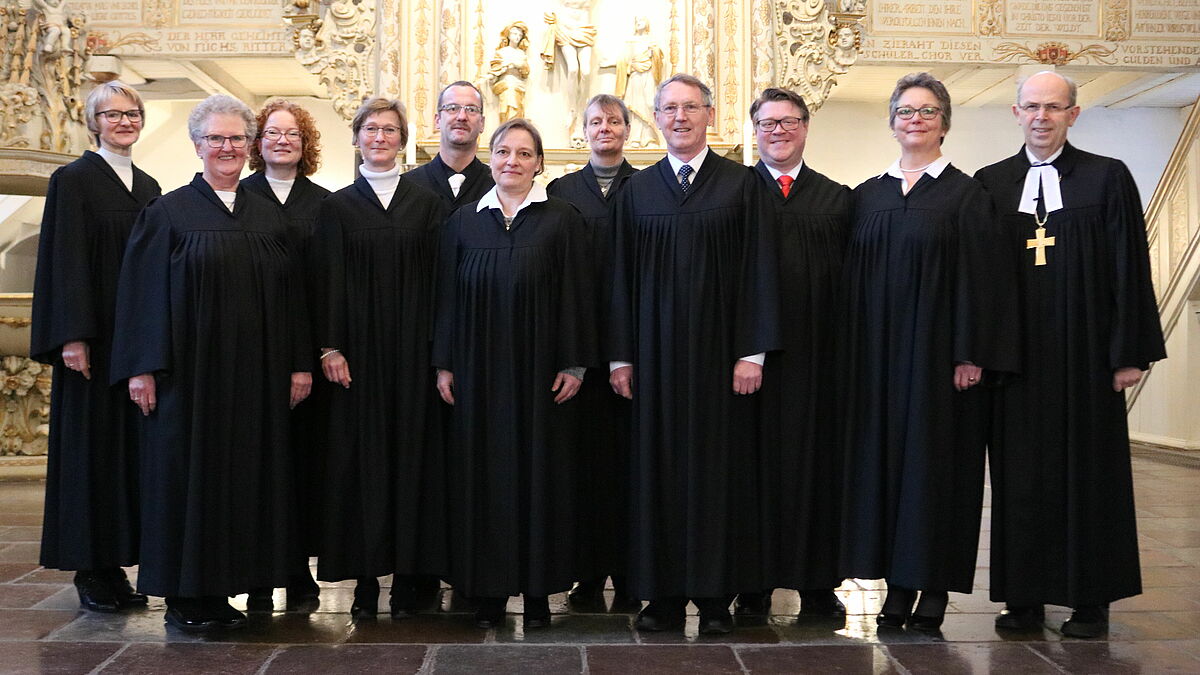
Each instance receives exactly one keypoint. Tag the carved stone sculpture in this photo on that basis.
(335, 40)
(814, 43)
(570, 31)
(640, 67)
(510, 70)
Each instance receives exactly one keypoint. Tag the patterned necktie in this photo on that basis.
(785, 184)
(684, 172)
(456, 182)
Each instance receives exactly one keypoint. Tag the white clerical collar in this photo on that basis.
(694, 162)
(1041, 174)
(491, 200)
(1034, 160)
(794, 172)
(934, 169)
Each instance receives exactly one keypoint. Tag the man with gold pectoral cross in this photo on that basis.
(1063, 525)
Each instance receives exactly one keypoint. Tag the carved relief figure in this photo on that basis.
(510, 70)
(846, 42)
(639, 70)
(571, 32)
(337, 46)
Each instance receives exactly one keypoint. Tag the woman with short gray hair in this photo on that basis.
(91, 515)
(212, 338)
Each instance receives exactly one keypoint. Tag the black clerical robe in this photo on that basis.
(514, 308)
(803, 238)
(309, 418)
(677, 265)
(383, 470)
(920, 286)
(211, 302)
(603, 425)
(1063, 523)
(434, 174)
(91, 510)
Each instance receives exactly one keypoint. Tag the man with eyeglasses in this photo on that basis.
(802, 238)
(681, 242)
(1063, 523)
(455, 173)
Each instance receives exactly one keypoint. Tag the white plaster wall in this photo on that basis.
(1165, 411)
(851, 142)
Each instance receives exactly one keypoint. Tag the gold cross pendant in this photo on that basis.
(1040, 243)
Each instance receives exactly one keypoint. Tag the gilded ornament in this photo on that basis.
(1055, 53)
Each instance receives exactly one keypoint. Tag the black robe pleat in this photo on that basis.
(433, 176)
(602, 431)
(694, 483)
(309, 418)
(921, 279)
(383, 470)
(1063, 525)
(804, 236)
(514, 309)
(212, 303)
(91, 510)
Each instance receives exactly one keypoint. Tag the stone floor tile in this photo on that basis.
(291, 628)
(65, 597)
(31, 624)
(1168, 510)
(747, 630)
(193, 659)
(1169, 577)
(423, 629)
(53, 658)
(506, 660)
(850, 659)
(22, 533)
(45, 576)
(571, 629)
(1190, 556)
(1113, 658)
(662, 660)
(1161, 599)
(13, 571)
(9, 518)
(329, 659)
(24, 596)
(957, 659)
(24, 552)
(1173, 538)
(1150, 625)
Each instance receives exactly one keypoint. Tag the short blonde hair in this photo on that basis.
(100, 95)
(379, 104)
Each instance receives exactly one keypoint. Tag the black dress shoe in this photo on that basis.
(188, 615)
(222, 613)
(659, 616)
(537, 612)
(366, 599)
(1015, 617)
(1087, 621)
(489, 612)
(119, 583)
(716, 622)
(930, 612)
(897, 607)
(260, 600)
(95, 592)
(402, 601)
(753, 604)
(303, 591)
(821, 605)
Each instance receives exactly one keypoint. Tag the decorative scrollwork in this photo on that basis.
(337, 46)
(991, 17)
(25, 389)
(1054, 53)
(814, 45)
(1116, 20)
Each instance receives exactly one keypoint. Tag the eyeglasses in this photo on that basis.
(453, 108)
(788, 124)
(688, 109)
(293, 135)
(115, 116)
(926, 113)
(388, 132)
(1050, 108)
(218, 141)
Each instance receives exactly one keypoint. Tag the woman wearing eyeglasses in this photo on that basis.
(91, 516)
(383, 477)
(286, 152)
(923, 328)
(212, 336)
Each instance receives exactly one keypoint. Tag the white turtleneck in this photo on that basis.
(281, 188)
(121, 165)
(227, 197)
(382, 182)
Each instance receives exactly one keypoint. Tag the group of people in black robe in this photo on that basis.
(702, 380)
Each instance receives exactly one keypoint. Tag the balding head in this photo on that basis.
(1050, 78)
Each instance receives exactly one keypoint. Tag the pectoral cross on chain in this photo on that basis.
(1040, 243)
